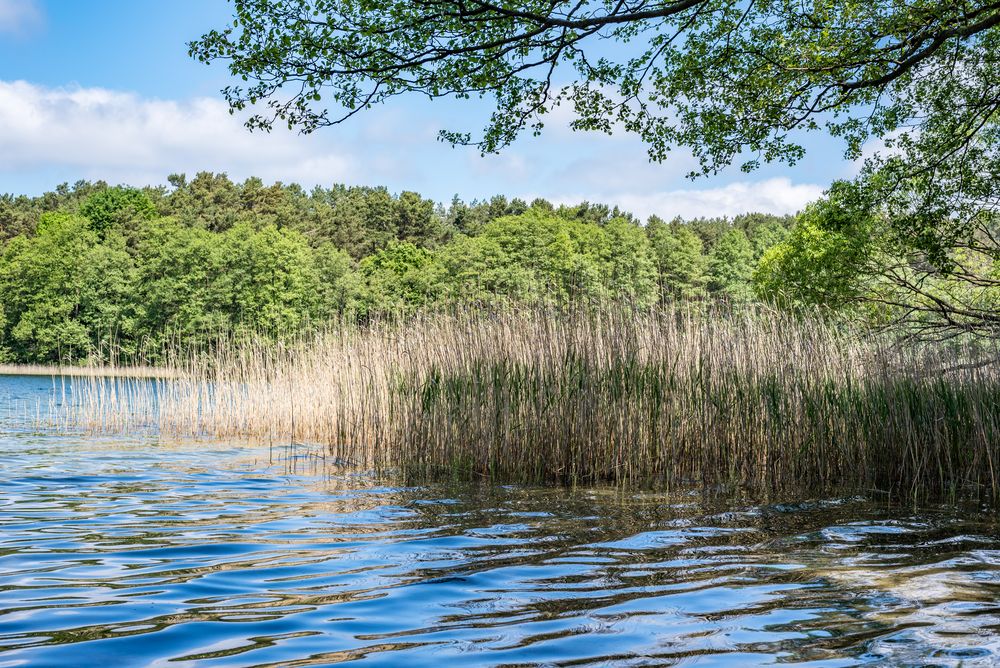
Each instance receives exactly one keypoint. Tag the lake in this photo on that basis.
(126, 551)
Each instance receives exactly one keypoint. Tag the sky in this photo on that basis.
(105, 89)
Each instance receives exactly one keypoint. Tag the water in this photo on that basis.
(123, 552)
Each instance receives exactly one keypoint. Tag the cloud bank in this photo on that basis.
(122, 137)
(95, 133)
(774, 195)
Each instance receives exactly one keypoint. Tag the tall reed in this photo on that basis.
(664, 397)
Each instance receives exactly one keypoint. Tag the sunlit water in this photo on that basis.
(117, 552)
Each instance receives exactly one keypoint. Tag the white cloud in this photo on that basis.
(19, 16)
(121, 137)
(775, 195)
(49, 135)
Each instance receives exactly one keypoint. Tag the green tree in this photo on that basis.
(476, 269)
(681, 262)
(416, 220)
(400, 278)
(5, 353)
(178, 267)
(470, 218)
(117, 207)
(64, 293)
(731, 81)
(268, 281)
(632, 267)
(540, 257)
(357, 220)
(731, 266)
(18, 215)
(210, 201)
(817, 266)
(841, 254)
(197, 284)
(340, 284)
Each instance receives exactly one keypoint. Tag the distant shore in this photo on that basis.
(86, 371)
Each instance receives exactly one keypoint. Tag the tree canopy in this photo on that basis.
(723, 78)
(98, 271)
(732, 81)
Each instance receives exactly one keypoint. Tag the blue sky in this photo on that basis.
(104, 89)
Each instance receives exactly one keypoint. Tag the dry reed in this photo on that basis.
(664, 397)
(103, 370)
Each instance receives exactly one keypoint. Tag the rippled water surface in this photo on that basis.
(128, 552)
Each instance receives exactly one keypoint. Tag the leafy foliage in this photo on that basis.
(60, 288)
(724, 78)
(733, 82)
(845, 252)
(98, 271)
(116, 207)
(730, 266)
(680, 260)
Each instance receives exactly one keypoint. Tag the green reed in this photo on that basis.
(725, 398)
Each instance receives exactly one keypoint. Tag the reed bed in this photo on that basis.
(663, 397)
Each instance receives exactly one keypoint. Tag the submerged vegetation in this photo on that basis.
(660, 396)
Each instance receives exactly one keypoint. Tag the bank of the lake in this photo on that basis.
(85, 370)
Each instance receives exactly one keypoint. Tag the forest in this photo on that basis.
(91, 272)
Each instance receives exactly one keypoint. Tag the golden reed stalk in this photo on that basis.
(664, 397)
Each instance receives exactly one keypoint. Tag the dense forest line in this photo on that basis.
(89, 264)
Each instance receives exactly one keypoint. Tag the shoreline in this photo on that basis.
(149, 372)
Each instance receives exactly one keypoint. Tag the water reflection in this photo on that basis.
(137, 553)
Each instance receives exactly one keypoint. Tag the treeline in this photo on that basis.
(98, 270)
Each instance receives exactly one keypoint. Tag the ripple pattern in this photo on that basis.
(147, 554)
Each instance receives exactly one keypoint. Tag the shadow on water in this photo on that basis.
(131, 552)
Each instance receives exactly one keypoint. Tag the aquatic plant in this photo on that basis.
(727, 398)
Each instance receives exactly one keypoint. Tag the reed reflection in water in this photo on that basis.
(144, 554)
